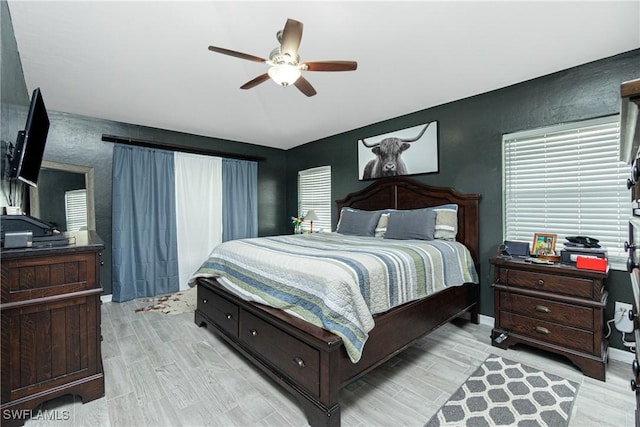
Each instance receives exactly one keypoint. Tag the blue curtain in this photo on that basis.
(239, 199)
(144, 236)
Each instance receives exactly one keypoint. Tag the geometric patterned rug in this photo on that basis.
(506, 393)
(176, 303)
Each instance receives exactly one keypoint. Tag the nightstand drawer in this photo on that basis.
(543, 309)
(548, 332)
(574, 286)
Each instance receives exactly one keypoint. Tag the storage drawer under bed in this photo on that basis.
(219, 310)
(290, 356)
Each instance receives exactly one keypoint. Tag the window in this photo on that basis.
(314, 193)
(76, 209)
(567, 180)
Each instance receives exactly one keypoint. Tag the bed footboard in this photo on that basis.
(311, 362)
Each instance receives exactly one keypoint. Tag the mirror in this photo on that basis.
(57, 185)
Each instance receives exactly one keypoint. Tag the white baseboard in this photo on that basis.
(614, 353)
(621, 356)
(486, 320)
(105, 298)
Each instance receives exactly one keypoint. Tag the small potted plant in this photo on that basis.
(297, 224)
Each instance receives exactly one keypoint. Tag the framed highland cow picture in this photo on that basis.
(409, 151)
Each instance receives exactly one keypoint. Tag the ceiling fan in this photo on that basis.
(284, 61)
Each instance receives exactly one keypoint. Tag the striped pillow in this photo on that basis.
(446, 221)
(381, 228)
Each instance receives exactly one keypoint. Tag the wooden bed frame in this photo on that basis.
(311, 362)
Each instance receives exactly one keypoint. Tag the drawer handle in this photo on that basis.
(542, 309)
(204, 300)
(541, 330)
(540, 282)
(228, 316)
(628, 246)
(635, 367)
(253, 332)
(298, 362)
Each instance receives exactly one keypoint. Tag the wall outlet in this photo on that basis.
(621, 316)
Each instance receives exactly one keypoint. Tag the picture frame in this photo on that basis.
(544, 244)
(381, 155)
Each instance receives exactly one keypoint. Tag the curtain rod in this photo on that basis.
(176, 147)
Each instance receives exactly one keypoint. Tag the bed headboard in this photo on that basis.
(407, 193)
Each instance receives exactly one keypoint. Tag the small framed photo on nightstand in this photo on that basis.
(544, 244)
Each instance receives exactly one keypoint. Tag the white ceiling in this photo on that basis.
(147, 62)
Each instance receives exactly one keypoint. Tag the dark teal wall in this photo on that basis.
(13, 90)
(52, 186)
(471, 132)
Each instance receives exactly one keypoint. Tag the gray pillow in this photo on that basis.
(411, 224)
(355, 222)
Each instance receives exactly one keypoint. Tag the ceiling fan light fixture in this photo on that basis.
(284, 61)
(284, 74)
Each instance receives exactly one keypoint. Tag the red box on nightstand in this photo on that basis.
(588, 263)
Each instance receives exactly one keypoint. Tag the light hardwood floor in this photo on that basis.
(163, 370)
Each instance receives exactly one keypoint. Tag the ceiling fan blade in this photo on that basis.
(304, 86)
(236, 54)
(291, 37)
(331, 65)
(255, 82)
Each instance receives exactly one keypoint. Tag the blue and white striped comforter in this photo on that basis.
(338, 282)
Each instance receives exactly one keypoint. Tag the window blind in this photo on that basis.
(567, 180)
(76, 209)
(314, 193)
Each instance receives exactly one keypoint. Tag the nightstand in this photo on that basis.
(555, 307)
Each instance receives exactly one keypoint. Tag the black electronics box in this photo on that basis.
(517, 249)
(569, 255)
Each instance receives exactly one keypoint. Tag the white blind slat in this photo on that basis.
(314, 193)
(76, 209)
(567, 180)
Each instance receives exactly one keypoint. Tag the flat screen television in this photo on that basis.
(27, 155)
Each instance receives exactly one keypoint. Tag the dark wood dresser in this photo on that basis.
(556, 307)
(629, 145)
(50, 309)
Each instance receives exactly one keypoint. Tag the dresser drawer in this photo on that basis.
(543, 309)
(574, 286)
(548, 332)
(38, 277)
(292, 357)
(219, 310)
